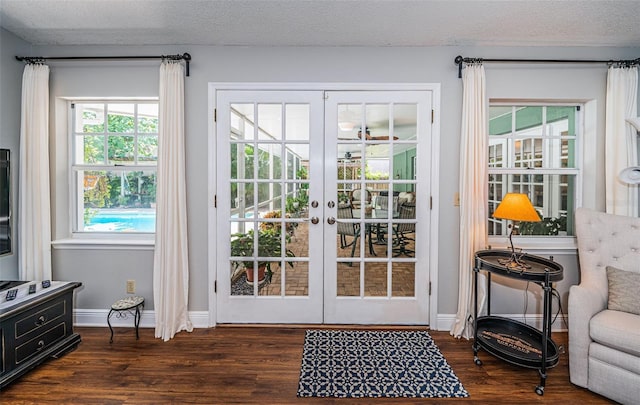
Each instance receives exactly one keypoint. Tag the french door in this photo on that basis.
(322, 206)
(376, 181)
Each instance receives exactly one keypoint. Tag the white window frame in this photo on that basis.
(76, 193)
(549, 243)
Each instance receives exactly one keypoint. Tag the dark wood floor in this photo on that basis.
(249, 365)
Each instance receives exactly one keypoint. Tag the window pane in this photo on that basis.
(89, 149)
(120, 118)
(118, 201)
(552, 196)
(89, 118)
(497, 152)
(147, 149)
(148, 118)
(561, 121)
(120, 149)
(529, 118)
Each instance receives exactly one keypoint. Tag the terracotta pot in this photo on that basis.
(261, 273)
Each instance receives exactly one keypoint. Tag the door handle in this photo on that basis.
(315, 220)
(331, 220)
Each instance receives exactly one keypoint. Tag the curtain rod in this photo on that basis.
(459, 60)
(35, 59)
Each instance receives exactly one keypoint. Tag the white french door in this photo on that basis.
(340, 214)
(377, 171)
(269, 169)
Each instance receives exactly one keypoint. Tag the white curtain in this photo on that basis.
(171, 264)
(473, 193)
(34, 220)
(621, 144)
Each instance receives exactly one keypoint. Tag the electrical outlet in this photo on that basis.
(131, 286)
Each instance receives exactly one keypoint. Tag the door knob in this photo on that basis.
(314, 204)
(331, 204)
(315, 220)
(331, 220)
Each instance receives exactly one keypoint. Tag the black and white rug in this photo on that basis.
(359, 364)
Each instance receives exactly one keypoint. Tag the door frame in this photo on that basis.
(212, 236)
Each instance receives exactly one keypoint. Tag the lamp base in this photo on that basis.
(514, 263)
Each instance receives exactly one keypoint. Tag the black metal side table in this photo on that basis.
(129, 305)
(507, 339)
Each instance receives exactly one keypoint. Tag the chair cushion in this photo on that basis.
(624, 290)
(617, 330)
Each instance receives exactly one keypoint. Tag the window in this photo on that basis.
(114, 165)
(533, 149)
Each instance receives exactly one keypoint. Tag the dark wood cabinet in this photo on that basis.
(36, 327)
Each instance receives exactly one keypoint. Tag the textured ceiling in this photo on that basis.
(325, 22)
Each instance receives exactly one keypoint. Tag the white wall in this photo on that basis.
(10, 95)
(104, 272)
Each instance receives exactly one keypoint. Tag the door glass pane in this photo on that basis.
(375, 279)
(297, 122)
(242, 119)
(348, 280)
(403, 279)
(377, 122)
(265, 160)
(270, 121)
(349, 120)
(297, 280)
(405, 121)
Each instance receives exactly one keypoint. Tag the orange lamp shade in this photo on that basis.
(516, 207)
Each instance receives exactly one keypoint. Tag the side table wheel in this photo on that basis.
(477, 361)
(540, 390)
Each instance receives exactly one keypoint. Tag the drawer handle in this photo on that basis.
(41, 320)
(40, 345)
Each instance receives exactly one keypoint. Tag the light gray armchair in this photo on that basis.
(604, 344)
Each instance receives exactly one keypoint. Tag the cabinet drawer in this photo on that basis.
(40, 317)
(40, 342)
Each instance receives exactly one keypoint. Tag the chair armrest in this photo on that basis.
(585, 301)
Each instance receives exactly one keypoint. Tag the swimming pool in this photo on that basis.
(122, 221)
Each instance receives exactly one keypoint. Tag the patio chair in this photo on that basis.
(360, 196)
(345, 229)
(401, 230)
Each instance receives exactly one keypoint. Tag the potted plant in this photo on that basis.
(269, 245)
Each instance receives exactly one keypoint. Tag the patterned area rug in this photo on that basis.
(359, 364)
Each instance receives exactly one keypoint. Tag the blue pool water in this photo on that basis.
(122, 221)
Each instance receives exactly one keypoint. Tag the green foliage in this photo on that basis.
(269, 245)
(548, 226)
(97, 196)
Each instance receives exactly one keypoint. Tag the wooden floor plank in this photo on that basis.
(250, 365)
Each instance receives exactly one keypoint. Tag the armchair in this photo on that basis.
(604, 344)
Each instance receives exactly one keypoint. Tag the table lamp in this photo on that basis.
(516, 207)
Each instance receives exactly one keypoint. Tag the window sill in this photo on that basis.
(537, 245)
(106, 243)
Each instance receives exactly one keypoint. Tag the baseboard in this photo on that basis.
(98, 318)
(200, 319)
(445, 321)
